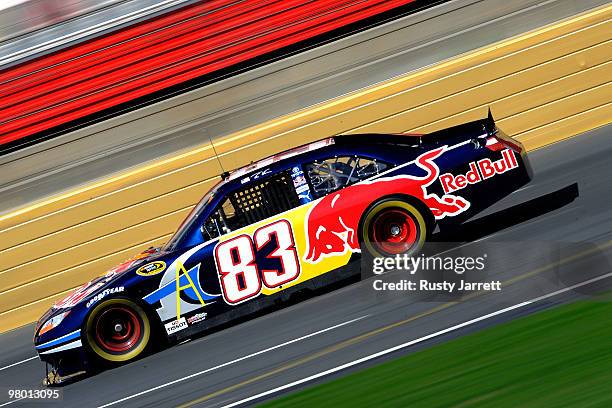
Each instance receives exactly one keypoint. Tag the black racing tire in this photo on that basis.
(393, 226)
(118, 330)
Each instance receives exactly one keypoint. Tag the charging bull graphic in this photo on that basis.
(331, 224)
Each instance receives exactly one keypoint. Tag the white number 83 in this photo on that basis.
(239, 274)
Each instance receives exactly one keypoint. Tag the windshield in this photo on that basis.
(187, 222)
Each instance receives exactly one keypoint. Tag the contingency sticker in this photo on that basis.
(176, 325)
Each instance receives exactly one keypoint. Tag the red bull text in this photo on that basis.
(479, 171)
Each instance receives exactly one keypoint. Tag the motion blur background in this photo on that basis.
(23, 16)
(109, 112)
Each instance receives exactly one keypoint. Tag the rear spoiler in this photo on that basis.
(481, 128)
(492, 130)
(489, 124)
(469, 130)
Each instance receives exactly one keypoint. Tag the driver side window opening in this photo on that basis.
(250, 204)
(337, 172)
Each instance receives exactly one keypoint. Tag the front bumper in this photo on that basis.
(65, 354)
(66, 342)
(64, 366)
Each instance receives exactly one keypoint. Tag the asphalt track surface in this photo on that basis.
(540, 240)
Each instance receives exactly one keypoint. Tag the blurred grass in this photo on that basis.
(560, 357)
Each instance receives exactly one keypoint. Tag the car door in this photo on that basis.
(263, 248)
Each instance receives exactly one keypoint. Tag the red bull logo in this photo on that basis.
(331, 224)
(479, 171)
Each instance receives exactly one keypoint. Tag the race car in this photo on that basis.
(291, 222)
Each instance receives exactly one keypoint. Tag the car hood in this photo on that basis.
(87, 291)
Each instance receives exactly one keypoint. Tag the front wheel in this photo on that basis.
(118, 330)
(393, 227)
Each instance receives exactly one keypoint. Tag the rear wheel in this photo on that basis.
(393, 227)
(118, 330)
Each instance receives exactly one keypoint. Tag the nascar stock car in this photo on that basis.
(294, 221)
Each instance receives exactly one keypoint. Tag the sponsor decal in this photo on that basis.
(479, 170)
(176, 281)
(78, 294)
(331, 224)
(303, 189)
(151, 269)
(197, 318)
(299, 180)
(108, 276)
(255, 176)
(176, 325)
(301, 185)
(103, 294)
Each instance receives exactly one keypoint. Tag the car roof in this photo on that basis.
(270, 160)
(235, 179)
(319, 144)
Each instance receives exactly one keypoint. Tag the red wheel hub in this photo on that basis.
(394, 231)
(118, 329)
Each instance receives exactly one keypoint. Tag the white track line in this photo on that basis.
(11, 401)
(412, 342)
(17, 363)
(232, 362)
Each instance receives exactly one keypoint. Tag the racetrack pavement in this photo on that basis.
(355, 321)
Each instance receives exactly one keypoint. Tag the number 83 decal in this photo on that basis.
(239, 274)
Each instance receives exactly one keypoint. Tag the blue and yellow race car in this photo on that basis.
(291, 222)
